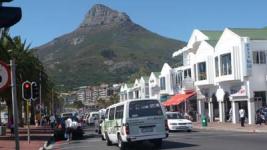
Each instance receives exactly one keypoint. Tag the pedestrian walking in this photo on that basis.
(242, 116)
(230, 115)
(68, 131)
(52, 121)
(11, 126)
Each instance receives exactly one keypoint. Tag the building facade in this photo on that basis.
(228, 70)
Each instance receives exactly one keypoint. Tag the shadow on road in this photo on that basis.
(171, 144)
(165, 145)
(87, 136)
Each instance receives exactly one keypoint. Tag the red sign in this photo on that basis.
(4, 76)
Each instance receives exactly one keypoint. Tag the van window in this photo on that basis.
(106, 114)
(175, 116)
(144, 108)
(111, 114)
(119, 112)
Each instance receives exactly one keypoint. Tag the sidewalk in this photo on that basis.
(38, 136)
(231, 127)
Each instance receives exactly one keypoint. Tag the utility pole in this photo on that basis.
(52, 105)
(40, 94)
(14, 101)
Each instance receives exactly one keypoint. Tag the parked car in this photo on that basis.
(92, 117)
(176, 122)
(263, 113)
(134, 121)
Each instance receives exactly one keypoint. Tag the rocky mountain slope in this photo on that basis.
(106, 47)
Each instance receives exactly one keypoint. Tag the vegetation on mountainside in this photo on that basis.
(109, 56)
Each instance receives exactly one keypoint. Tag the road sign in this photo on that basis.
(4, 76)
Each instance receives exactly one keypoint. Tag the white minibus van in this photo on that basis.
(134, 121)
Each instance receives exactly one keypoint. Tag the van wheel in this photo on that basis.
(102, 137)
(122, 145)
(157, 143)
(108, 142)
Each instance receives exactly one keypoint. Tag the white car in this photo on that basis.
(93, 116)
(176, 122)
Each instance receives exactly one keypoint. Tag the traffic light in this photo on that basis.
(35, 91)
(9, 15)
(26, 90)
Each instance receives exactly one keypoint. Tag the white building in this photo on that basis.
(126, 92)
(144, 86)
(228, 69)
(166, 79)
(154, 85)
(81, 94)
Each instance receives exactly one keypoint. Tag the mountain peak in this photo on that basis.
(100, 14)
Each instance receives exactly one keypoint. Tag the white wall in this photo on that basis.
(168, 74)
(259, 71)
(154, 87)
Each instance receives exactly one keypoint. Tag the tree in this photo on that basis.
(142, 72)
(28, 67)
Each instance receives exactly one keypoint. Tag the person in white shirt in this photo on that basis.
(52, 121)
(242, 116)
(68, 132)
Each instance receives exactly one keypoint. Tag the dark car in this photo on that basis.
(77, 132)
(263, 113)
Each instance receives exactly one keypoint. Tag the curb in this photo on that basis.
(234, 130)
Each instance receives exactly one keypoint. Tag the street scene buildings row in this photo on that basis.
(88, 95)
(222, 71)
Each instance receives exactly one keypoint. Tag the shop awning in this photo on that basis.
(178, 98)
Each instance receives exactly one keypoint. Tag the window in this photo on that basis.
(202, 71)
(259, 57)
(147, 90)
(119, 112)
(226, 65)
(145, 108)
(216, 66)
(187, 73)
(179, 79)
(106, 115)
(195, 72)
(111, 114)
(162, 83)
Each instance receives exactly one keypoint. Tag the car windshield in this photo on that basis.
(144, 108)
(174, 116)
(95, 115)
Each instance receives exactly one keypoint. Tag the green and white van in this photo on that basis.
(134, 121)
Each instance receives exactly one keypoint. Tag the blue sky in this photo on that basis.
(44, 20)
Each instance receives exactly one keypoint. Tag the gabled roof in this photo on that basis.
(146, 78)
(212, 42)
(214, 36)
(129, 85)
(157, 74)
(252, 33)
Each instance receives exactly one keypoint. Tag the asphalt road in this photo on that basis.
(196, 140)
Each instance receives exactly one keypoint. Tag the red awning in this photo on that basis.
(178, 98)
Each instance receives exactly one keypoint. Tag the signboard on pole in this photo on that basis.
(4, 76)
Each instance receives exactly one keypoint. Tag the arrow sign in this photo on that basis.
(4, 76)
